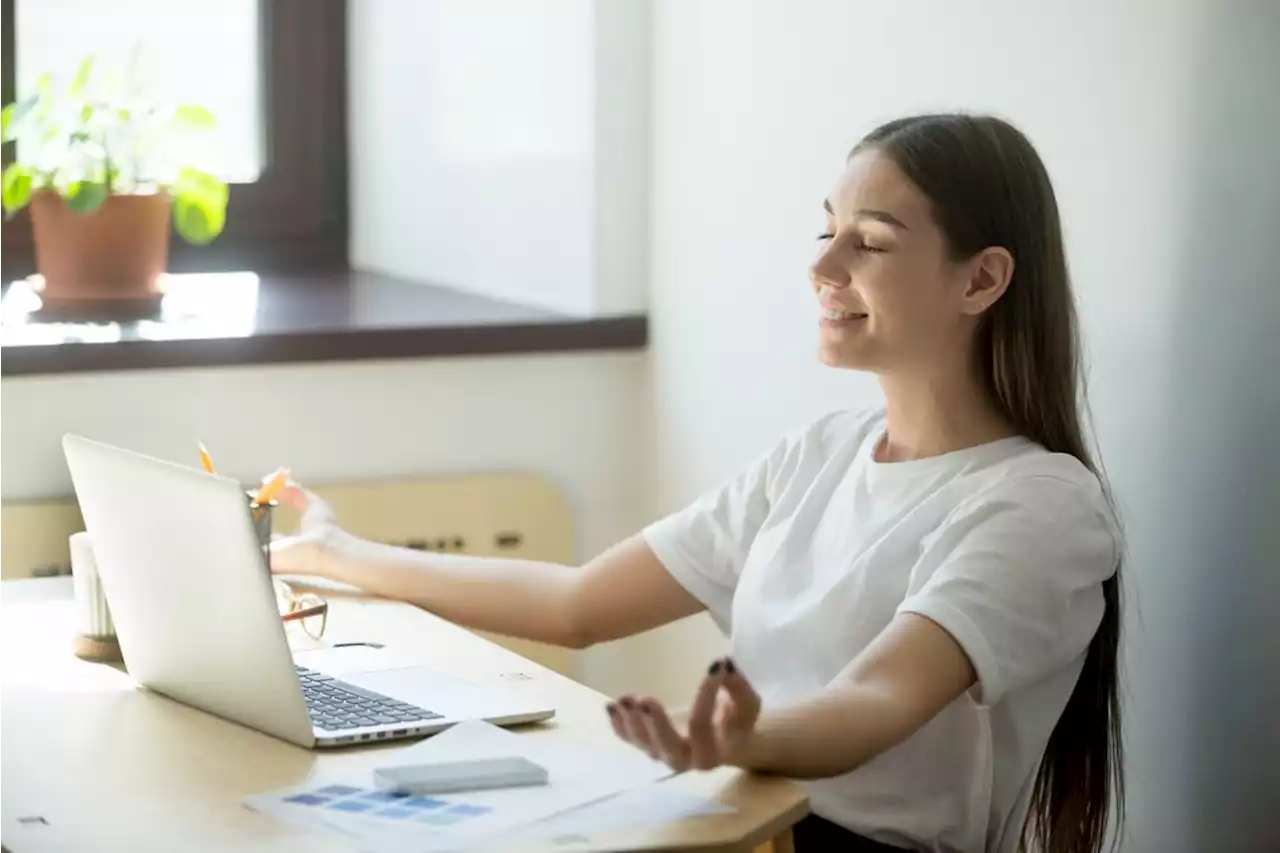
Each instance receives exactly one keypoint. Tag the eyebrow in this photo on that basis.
(870, 213)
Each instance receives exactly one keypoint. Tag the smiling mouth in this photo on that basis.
(834, 315)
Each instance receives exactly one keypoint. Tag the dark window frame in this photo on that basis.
(294, 217)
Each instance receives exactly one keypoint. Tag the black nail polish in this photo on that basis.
(611, 709)
(729, 667)
(715, 668)
(626, 702)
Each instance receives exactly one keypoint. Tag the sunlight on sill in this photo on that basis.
(195, 306)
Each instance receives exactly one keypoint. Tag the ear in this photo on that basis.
(990, 272)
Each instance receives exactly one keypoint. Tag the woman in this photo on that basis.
(923, 601)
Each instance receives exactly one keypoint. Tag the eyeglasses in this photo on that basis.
(309, 610)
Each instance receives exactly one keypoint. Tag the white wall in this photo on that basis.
(1157, 121)
(621, 53)
(500, 147)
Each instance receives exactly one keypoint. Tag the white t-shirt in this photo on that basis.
(805, 557)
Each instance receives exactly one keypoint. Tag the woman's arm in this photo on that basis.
(909, 673)
(622, 592)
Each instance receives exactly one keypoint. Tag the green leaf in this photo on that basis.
(82, 76)
(193, 116)
(197, 220)
(86, 113)
(200, 206)
(6, 121)
(194, 183)
(44, 96)
(15, 187)
(86, 196)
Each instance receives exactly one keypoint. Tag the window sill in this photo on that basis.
(238, 319)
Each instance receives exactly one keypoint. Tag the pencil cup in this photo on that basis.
(95, 632)
(263, 517)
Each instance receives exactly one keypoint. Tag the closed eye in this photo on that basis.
(861, 247)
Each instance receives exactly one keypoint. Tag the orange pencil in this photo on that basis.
(206, 461)
(271, 486)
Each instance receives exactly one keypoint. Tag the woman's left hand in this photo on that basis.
(721, 722)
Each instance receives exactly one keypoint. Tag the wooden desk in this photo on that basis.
(109, 766)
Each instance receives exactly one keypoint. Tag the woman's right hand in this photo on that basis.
(311, 550)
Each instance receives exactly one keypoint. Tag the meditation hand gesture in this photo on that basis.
(721, 721)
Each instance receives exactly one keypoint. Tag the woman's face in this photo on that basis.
(891, 298)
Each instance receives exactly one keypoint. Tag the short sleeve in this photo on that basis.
(705, 545)
(1017, 578)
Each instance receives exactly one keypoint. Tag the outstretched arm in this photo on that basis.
(622, 592)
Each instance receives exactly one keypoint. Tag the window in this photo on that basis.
(181, 43)
(274, 74)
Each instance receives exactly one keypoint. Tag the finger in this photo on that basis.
(701, 730)
(314, 508)
(673, 748)
(636, 733)
(746, 700)
(615, 720)
(293, 495)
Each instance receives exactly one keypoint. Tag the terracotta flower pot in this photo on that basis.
(108, 262)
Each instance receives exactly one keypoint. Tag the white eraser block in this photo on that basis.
(476, 775)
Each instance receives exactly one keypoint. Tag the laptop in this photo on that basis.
(197, 619)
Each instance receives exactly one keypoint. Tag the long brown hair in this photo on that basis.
(988, 187)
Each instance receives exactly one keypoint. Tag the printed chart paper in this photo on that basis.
(388, 822)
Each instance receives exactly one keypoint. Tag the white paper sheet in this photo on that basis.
(377, 821)
(649, 804)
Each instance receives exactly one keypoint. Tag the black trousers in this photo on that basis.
(819, 835)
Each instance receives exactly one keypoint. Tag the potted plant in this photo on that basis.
(104, 170)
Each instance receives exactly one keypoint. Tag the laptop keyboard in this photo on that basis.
(336, 706)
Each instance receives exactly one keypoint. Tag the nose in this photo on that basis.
(827, 270)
